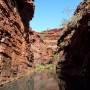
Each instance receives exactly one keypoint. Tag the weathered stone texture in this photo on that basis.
(74, 47)
(14, 37)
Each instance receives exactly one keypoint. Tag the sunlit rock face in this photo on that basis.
(42, 53)
(74, 47)
(44, 45)
(15, 54)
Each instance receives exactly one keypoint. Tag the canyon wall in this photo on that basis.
(15, 54)
(41, 52)
(73, 69)
(44, 45)
(50, 37)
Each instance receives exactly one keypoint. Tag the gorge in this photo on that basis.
(56, 59)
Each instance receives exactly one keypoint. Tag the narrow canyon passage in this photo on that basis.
(54, 59)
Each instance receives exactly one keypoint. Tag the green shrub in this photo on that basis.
(56, 57)
(46, 67)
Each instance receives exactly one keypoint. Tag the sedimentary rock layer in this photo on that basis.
(15, 54)
(74, 47)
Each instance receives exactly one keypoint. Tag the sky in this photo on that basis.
(52, 13)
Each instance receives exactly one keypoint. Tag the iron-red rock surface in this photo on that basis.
(39, 49)
(50, 37)
(43, 45)
(15, 54)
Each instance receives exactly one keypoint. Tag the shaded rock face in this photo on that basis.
(26, 10)
(15, 54)
(74, 47)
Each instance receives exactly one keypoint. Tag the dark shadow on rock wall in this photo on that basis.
(74, 70)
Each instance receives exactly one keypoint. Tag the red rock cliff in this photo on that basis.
(15, 54)
(74, 47)
(44, 45)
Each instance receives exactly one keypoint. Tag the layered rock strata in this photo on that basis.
(74, 49)
(15, 54)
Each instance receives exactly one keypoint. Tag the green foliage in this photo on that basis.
(46, 67)
(56, 57)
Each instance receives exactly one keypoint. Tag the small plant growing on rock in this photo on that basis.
(56, 57)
